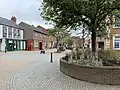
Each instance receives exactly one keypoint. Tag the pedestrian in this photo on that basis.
(42, 51)
(5, 50)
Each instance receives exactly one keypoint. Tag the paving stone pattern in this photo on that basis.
(32, 71)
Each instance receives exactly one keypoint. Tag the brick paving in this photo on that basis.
(32, 71)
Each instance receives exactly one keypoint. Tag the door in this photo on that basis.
(101, 45)
(10, 47)
(40, 45)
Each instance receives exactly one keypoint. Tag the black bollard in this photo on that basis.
(51, 57)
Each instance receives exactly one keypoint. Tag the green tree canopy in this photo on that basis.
(73, 13)
(59, 33)
(69, 41)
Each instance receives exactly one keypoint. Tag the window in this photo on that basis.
(36, 34)
(14, 33)
(117, 42)
(35, 43)
(117, 45)
(4, 31)
(18, 33)
(10, 32)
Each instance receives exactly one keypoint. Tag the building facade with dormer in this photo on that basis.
(11, 35)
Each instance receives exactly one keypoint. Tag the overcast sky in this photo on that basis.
(24, 10)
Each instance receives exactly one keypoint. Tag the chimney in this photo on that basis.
(13, 19)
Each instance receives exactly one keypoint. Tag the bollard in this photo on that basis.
(51, 57)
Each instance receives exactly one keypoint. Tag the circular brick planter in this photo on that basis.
(101, 75)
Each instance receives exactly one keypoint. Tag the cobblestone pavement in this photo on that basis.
(32, 71)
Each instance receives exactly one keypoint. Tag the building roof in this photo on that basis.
(41, 30)
(9, 23)
(27, 25)
(36, 29)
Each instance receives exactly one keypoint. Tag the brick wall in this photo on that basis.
(113, 32)
(100, 75)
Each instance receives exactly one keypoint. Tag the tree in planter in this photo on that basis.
(69, 42)
(73, 13)
(59, 33)
(85, 33)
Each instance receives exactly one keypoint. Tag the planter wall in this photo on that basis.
(100, 75)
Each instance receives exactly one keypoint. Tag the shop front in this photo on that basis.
(15, 44)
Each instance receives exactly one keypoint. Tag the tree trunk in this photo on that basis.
(57, 44)
(93, 37)
(83, 39)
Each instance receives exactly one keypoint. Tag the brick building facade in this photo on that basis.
(115, 38)
(113, 42)
(37, 37)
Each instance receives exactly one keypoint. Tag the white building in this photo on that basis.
(11, 35)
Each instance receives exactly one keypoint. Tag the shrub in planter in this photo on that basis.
(73, 57)
(110, 57)
(61, 48)
(78, 53)
(66, 57)
(73, 54)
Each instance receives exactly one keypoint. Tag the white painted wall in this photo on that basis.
(12, 32)
(3, 45)
(7, 32)
(21, 34)
(24, 44)
(113, 43)
(21, 44)
(1, 31)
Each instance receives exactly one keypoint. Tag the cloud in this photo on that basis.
(24, 10)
